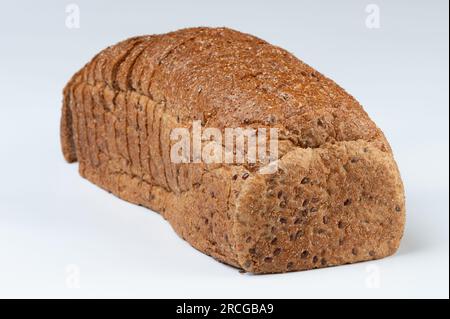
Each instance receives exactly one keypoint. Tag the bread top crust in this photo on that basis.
(226, 78)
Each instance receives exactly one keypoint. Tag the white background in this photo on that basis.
(61, 236)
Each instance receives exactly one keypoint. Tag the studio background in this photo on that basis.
(61, 236)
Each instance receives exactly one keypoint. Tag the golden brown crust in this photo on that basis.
(119, 109)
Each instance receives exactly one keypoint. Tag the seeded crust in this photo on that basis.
(337, 197)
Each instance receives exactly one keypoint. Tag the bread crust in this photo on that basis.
(337, 197)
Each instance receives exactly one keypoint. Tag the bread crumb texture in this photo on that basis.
(336, 198)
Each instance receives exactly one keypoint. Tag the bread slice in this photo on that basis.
(336, 198)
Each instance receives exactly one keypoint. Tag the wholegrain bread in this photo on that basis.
(336, 198)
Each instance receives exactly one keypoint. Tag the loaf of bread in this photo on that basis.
(335, 198)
